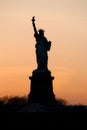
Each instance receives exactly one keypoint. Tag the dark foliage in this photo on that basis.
(58, 114)
(14, 104)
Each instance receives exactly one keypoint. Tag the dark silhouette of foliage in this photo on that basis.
(61, 101)
(17, 100)
(14, 104)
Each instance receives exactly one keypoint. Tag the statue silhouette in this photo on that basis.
(42, 46)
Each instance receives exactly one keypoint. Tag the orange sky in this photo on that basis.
(65, 24)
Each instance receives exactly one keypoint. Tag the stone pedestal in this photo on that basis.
(41, 87)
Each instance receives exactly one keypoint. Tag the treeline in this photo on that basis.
(14, 104)
(15, 100)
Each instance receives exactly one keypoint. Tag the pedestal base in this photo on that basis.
(41, 88)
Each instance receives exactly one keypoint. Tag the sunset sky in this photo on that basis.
(65, 25)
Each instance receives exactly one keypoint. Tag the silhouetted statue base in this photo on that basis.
(41, 87)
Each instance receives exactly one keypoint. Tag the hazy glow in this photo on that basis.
(65, 24)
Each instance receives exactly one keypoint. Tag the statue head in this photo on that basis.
(41, 32)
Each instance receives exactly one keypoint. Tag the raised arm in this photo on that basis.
(34, 26)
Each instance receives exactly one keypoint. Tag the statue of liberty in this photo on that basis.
(42, 46)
